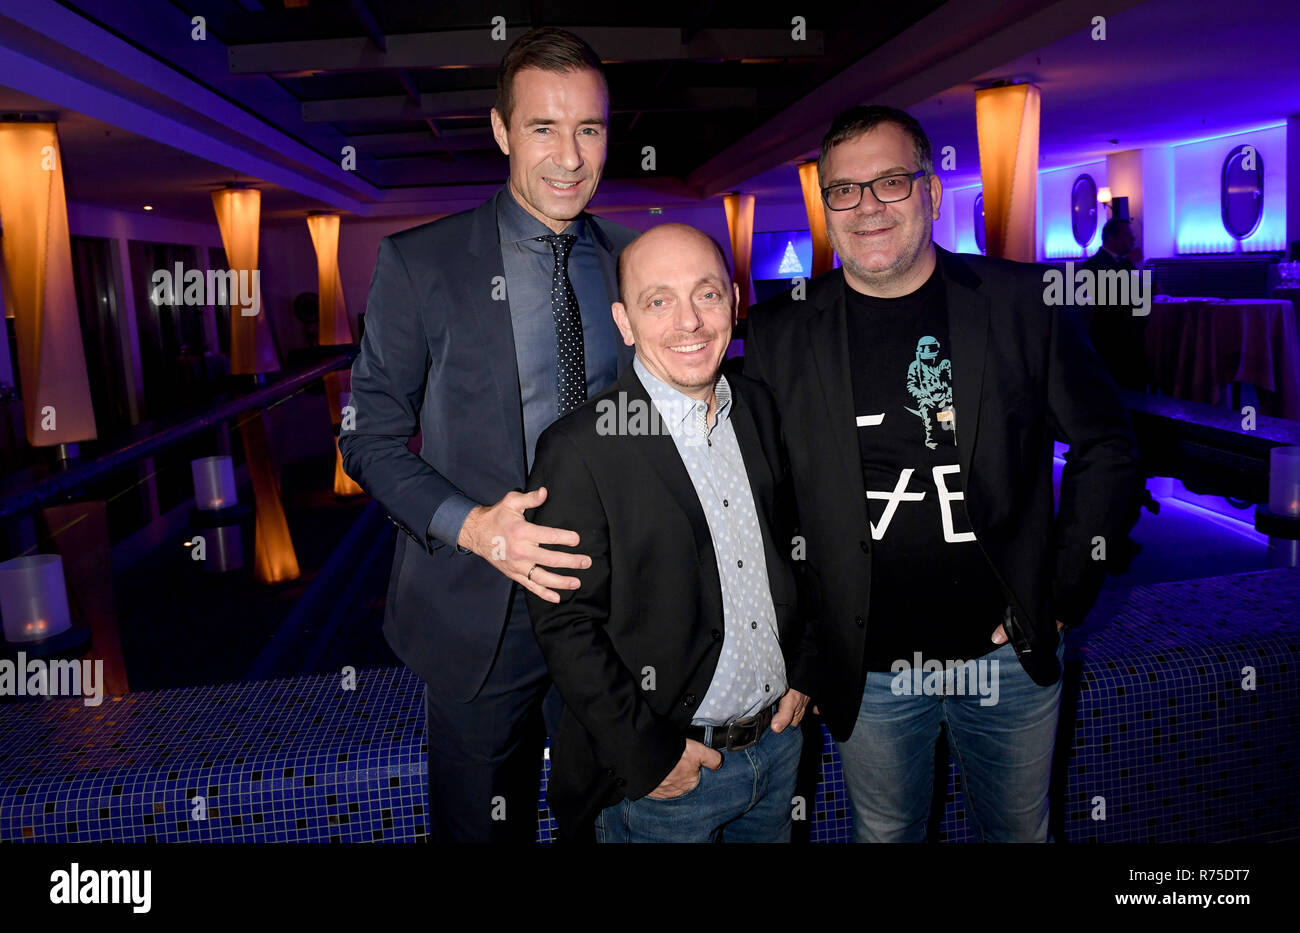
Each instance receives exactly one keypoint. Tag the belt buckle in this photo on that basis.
(736, 729)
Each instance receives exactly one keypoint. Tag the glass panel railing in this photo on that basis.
(165, 588)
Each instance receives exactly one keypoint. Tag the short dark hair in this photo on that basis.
(554, 50)
(852, 123)
(621, 265)
(1112, 227)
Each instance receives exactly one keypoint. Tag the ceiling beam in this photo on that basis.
(475, 48)
(469, 169)
(384, 145)
(363, 15)
(51, 52)
(957, 42)
(477, 103)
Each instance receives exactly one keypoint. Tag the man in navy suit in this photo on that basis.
(481, 329)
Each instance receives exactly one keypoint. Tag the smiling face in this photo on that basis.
(556, 141)
(885, 249)
(678, 313)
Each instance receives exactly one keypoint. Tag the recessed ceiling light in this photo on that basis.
(148, 207)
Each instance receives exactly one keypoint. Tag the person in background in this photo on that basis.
(1117, 334)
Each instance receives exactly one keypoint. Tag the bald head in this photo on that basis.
(676, 304)
(660, 235)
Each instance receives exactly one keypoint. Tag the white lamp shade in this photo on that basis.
(1284, 481)
(214, 483)
(33, 598)
(1103, 195)
(225, 548)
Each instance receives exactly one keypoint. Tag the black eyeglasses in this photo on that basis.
(886, 189)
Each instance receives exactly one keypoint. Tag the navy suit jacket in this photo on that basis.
(438, 358)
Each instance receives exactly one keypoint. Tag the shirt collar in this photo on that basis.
(679, 410)
(515, 224)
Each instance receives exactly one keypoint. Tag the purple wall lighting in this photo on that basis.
(1056, 210)
(1198, 204)
(962, 205)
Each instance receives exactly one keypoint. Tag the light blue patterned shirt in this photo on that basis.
(751, 669)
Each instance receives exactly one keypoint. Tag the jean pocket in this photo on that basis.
(699, 780)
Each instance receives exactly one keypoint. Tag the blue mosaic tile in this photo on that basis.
(298, 759)
(1162, 730)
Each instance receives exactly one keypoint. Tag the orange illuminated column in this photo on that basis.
(79, 531)
(812, 204)
(334, 328)
(338, 387)
(239, 212)
(740, 224)
(274, 558)
(39, 286)
(1007, 121)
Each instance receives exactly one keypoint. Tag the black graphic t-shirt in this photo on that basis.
(932, 589)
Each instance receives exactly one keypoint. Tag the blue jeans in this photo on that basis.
(748, 799)
(1003, 750)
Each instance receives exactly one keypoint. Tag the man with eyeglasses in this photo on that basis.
(919, 392)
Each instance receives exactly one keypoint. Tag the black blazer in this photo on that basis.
(1023, 375)
(438, 359)
(651, 602)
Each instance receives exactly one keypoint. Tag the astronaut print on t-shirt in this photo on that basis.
(929, 381)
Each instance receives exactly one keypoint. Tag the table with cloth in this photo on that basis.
(1198, 346)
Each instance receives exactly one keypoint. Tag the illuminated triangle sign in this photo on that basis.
(790, 264)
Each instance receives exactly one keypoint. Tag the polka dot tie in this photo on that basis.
(568, 327)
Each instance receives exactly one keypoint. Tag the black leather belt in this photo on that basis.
(735, 736)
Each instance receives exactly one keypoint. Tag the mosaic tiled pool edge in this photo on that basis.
(1162, 734)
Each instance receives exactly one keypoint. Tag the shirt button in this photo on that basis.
(717, 636)
(863, 545)
(753, 625)
(740, 563)
(857, 620)
(767, 688)
(725, 503)
(688, 699)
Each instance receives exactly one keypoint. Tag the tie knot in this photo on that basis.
(561, 243)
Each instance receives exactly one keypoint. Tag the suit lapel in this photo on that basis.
(496, 333)
(828, 343)
(968, 324)
(660, 451)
